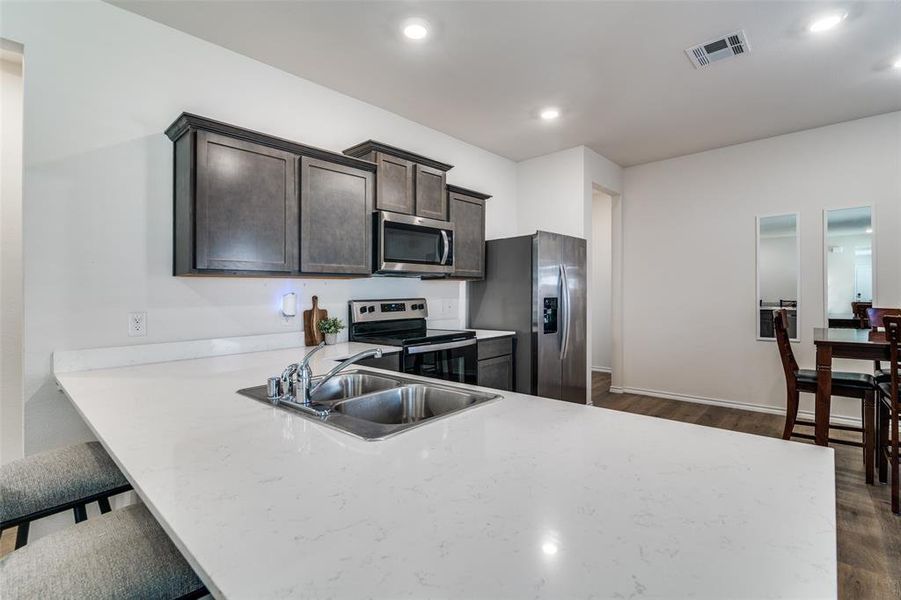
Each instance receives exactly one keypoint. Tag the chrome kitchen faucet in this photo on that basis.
(284, 389)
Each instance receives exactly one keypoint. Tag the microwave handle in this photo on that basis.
(446, 247)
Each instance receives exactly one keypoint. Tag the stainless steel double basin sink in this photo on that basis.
(375, 406)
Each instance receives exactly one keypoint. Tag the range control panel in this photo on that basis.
(387, 310)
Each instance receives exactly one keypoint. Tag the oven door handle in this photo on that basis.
(446, 346)
(446, 246)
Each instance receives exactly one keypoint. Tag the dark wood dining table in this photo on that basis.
(861, 344)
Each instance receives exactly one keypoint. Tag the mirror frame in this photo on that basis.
(797, 216)
(825, 245)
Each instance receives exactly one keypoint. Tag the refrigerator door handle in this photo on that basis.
(564, 337)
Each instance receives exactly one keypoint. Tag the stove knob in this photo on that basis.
(371, 309)
(362, 309)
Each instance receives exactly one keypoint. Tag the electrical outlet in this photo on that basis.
(451, 307)
(137, 324)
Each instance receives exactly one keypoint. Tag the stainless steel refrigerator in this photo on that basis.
(536, 285)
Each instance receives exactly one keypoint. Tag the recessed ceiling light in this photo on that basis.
(897, 63)
(869, 230)
(827, 22)
(416, 29)
(549, 548)
(549, 114)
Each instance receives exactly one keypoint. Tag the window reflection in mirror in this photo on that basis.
(849, 265)
(777, 272)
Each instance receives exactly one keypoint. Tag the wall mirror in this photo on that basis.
(778, 272)
(849, 265)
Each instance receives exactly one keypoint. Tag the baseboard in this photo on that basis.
(616, 389)
(804, 414)
(602, 369)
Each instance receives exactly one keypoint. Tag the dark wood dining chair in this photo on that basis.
(876, 318)
(860, 313)
(846, 385)
(887, 445)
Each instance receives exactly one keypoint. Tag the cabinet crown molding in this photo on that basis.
(188, 121)
(364, 148)
(456, 189)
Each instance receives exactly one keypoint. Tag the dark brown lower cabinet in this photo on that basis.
(495, 369)
(335, 218)
(497, 372)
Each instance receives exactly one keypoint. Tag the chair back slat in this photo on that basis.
(876, 316)
(892, 325)
(780, 325)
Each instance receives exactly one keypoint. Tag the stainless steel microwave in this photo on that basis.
(413, 245)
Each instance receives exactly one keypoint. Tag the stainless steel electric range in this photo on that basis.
(440, 353)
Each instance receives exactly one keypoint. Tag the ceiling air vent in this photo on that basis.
(732, 44)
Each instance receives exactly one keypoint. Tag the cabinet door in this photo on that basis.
(496, 373)
(335, 217)
(395, 184)
(431, 198)
(468, 216)
(246, 206)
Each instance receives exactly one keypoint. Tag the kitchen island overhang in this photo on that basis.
(522, 496)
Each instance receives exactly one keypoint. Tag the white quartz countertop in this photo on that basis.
(487, 334)
(521, 497)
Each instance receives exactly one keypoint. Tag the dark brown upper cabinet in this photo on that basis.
(247, 203)
(406, 182)
(467, 213)
(336, 218)
(394, 190)
(245, 206)
(431, 199)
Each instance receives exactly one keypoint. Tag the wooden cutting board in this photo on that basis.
(311, 334)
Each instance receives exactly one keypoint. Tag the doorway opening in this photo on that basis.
(11, 274)
(601, 282)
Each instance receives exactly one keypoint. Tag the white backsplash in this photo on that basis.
(445, 299)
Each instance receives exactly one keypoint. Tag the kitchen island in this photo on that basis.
(520, 497)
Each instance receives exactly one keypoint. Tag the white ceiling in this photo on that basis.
(617, 70)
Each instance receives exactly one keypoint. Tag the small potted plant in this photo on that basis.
(331, 328)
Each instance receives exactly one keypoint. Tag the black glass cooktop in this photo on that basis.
(414, 337)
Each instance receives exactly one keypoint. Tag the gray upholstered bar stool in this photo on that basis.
(121, 554)
(44, 484)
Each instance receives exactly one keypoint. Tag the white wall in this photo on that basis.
(554, 191)
(11, 279)
(689, 254)
(102, 86)
(601, 281)
(551, 194)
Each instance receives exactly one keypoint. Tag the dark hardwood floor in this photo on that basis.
(869, 535)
